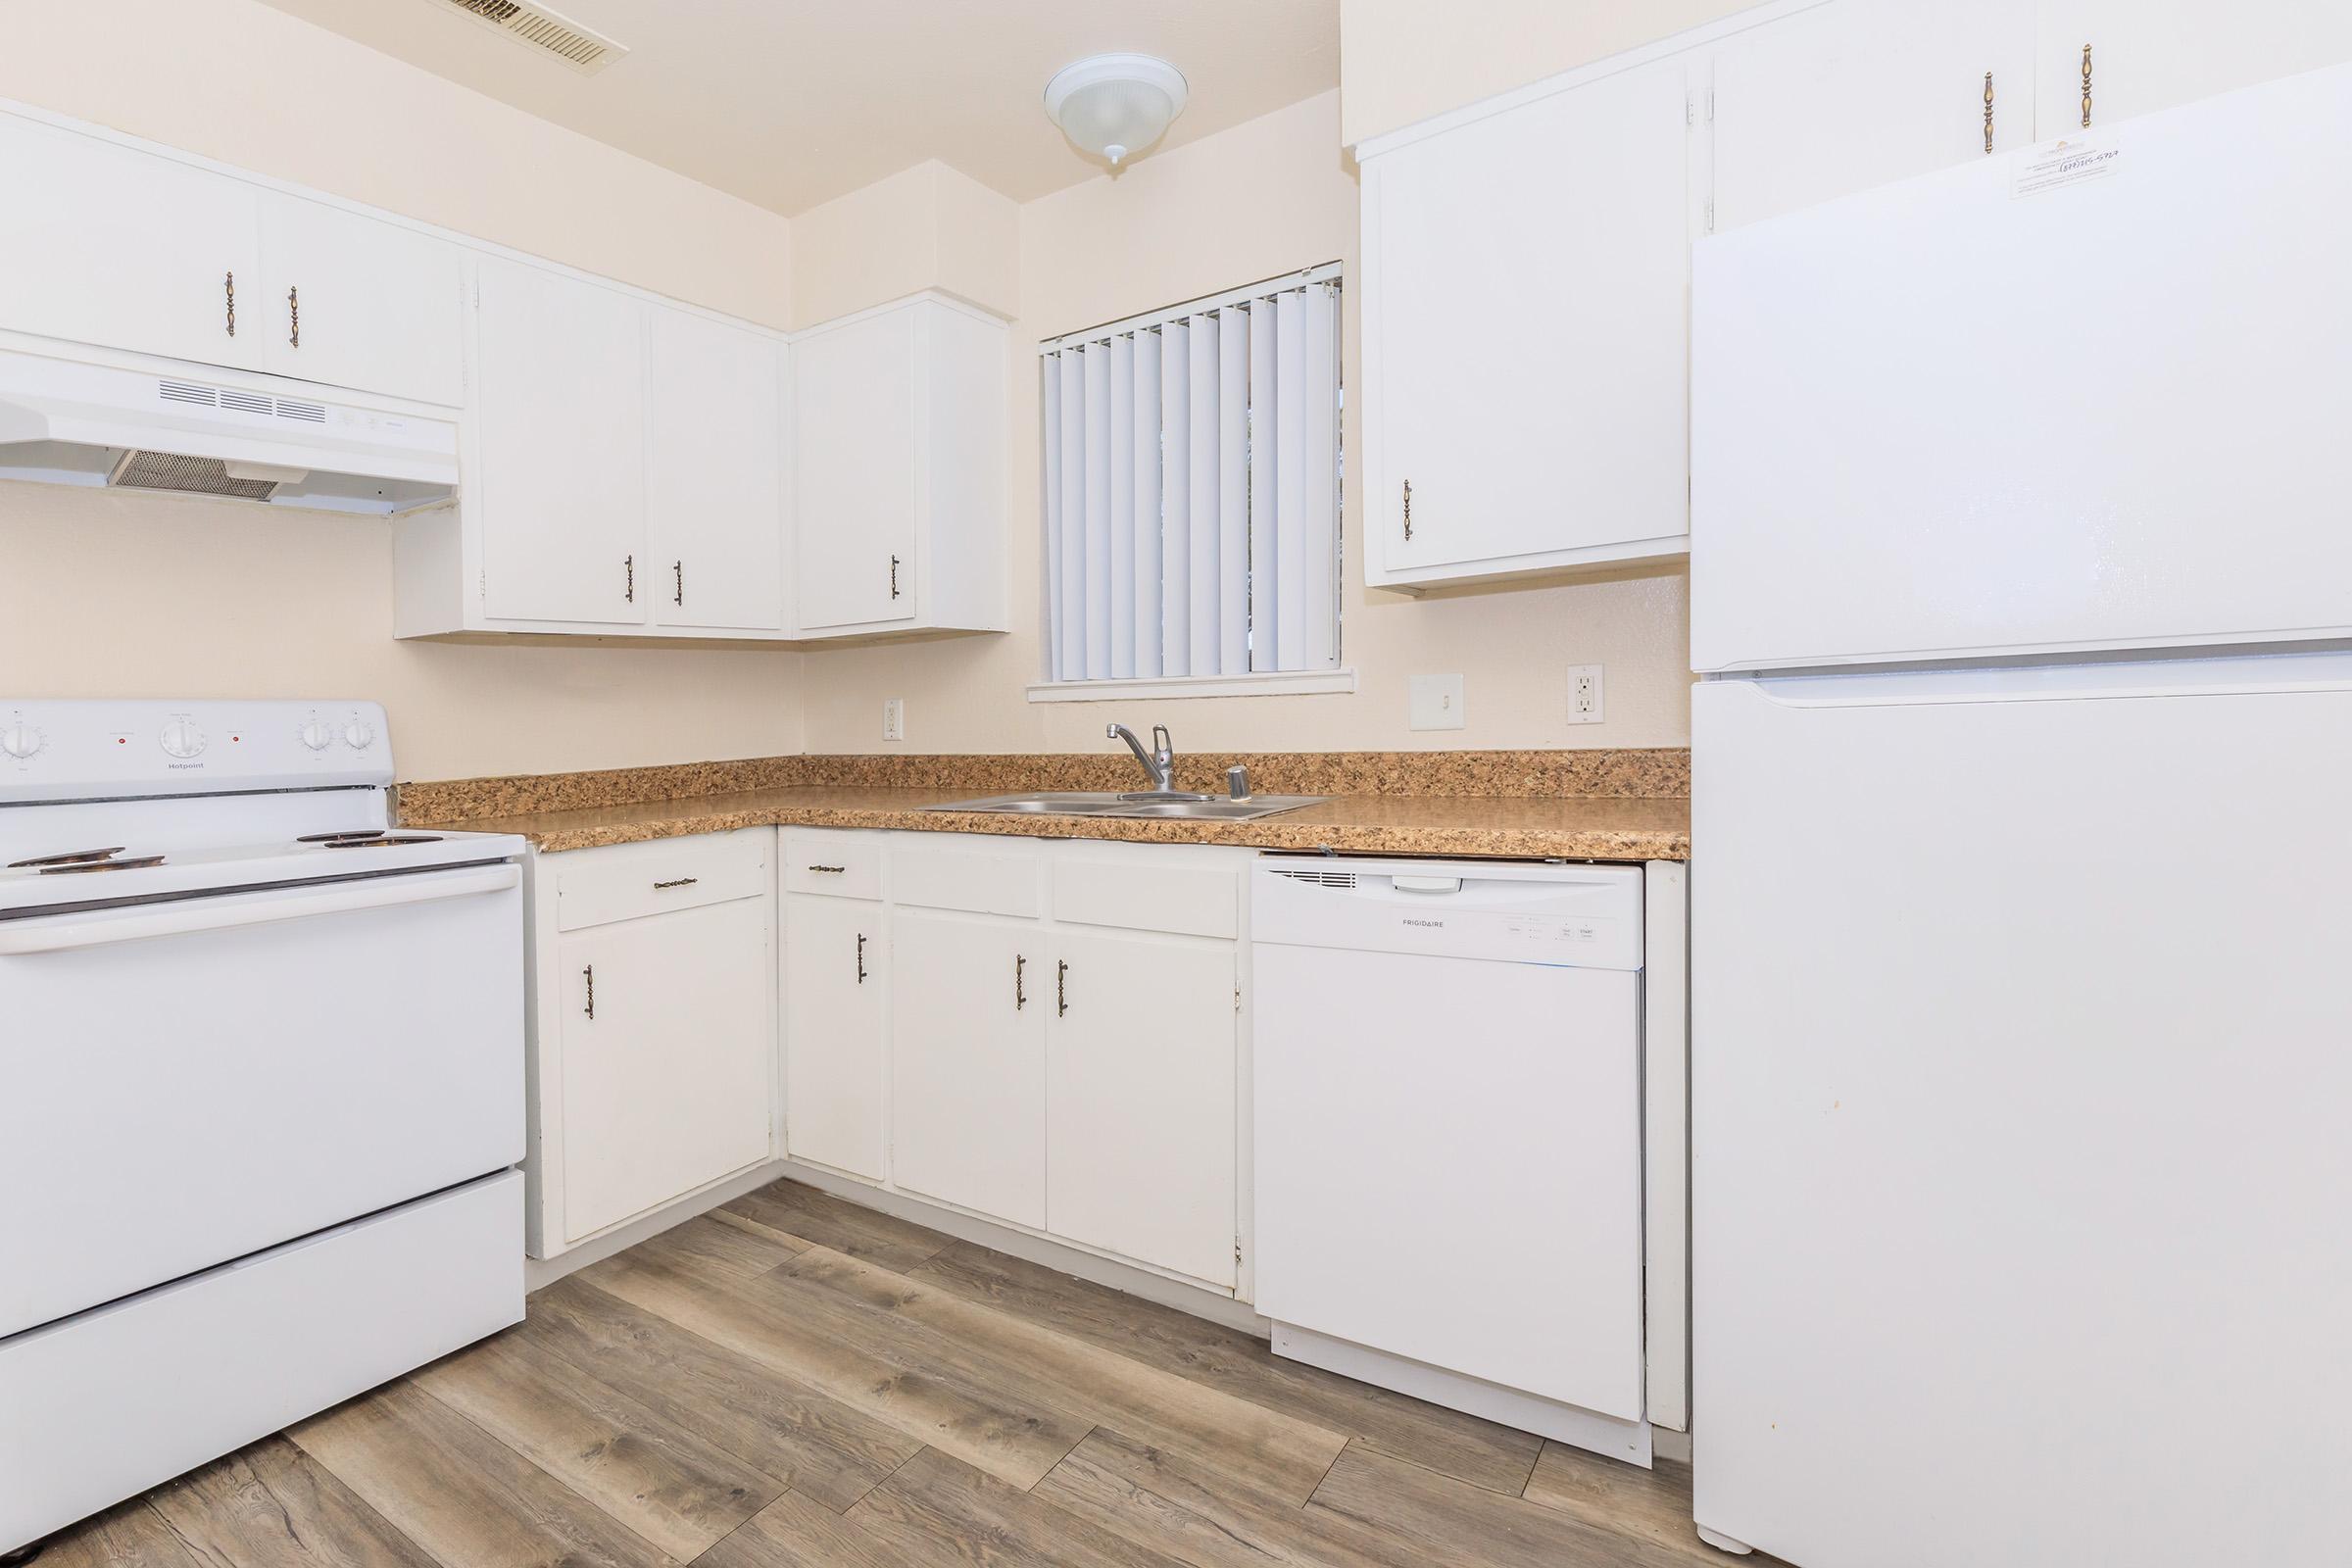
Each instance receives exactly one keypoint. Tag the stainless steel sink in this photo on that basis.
(1198, 807)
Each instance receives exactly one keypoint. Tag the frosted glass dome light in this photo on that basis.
(1114, 106)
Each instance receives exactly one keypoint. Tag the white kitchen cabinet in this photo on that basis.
(1848, 94)
(1140, 1100)
(1525, 271)
(667, 1059)
(836, 1054)
(351, 299)
(2153, 54)
(107, 244)
(556, 465)
(898, 471)
(970, 1002)
(652, 1027)
(715, 461)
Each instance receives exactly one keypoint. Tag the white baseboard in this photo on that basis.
(1629, 1440)
(538, 1273)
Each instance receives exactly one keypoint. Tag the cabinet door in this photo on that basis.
(667, 1058)
(856, 481)
(836, 1062)
(559, 452)
(1525, 328)
(967, 1038)
(1140, 1100)
(715, 462)
(1855, 93)
(353, 301)
(104, 244)
(2153, 54)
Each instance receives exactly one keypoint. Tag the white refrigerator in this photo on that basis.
(2021, 954)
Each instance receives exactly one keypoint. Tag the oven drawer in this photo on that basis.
(109, 1402)
(595, 887)
(197, 1080)
(842, 862)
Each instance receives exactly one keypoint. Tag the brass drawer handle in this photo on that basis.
(830, 870)
(2086, 86)
(676, 882)
(294, 312)
(590, 972)
(1988, 111)
(229, 283)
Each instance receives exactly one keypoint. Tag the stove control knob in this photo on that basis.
(20, 741)
(358, 734)
(182, 738)
(316, 734)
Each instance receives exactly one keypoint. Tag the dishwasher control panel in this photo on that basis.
(1582, 916)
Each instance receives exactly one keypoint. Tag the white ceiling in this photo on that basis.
(790, 103)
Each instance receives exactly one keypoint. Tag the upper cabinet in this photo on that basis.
(110, 245)
(1525, 336)
(715, 458)
(1853, 94)
(898, 471)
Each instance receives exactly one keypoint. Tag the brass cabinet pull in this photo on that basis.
(831, 870)
(862, 958)
(590, 972)
(1408, 511)
(229, 283)
(1061, 988)
(2087, 84)
(678, 594)
(677, 882)
(1988, 111)
(1021, 997)
(894, 576)
(294, 314)
(629, 564)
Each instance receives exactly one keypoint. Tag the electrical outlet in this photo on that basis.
(1436, 702)
(893, 719)
(1584, 694)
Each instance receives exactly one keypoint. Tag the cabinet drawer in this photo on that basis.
(1006, 877)
(846, 864)
(595, 886)
(1200, 901)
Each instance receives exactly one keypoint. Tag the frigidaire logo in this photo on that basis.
(1430, 925)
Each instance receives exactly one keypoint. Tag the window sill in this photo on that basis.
(1284, 683)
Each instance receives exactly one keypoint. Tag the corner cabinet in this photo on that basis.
(653, 1028)
(897, 474)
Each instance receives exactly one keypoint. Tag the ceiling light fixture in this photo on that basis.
(1115, 106)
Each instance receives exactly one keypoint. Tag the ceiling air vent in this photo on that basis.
(584, 49)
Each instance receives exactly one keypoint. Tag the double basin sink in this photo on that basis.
(1146, 805)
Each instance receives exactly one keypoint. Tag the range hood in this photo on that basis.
(189, 431)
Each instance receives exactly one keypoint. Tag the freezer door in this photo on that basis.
(1996, 410)
(2022, 1063)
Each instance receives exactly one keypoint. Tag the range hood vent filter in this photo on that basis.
(204, 477)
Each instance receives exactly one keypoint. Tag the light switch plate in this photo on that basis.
(1436, 703)
(893, 719)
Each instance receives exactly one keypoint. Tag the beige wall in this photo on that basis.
(1402, 61)
(121, 595)
(1263, 198)
(929, 226)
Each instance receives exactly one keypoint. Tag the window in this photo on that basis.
(1191, 495)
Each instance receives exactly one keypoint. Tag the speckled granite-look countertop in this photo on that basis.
(1592, 805)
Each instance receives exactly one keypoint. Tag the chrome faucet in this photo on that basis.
(1159, 762)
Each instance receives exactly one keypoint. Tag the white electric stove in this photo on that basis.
(261, 1085)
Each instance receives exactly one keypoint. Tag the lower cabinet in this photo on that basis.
(837, 1067)
(1059, 1050)
(652, 1042)
(1138, 1101)
(967, 1100)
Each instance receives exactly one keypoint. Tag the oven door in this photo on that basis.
(183, 1083)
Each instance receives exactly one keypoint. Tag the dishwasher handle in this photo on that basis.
(1405, 883)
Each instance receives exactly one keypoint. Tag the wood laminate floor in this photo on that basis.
(792, 1380)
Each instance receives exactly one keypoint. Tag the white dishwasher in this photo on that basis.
(1448, 1112)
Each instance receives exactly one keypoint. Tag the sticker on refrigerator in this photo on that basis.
(2057, 165)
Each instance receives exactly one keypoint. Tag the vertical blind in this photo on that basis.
(1192, 487)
